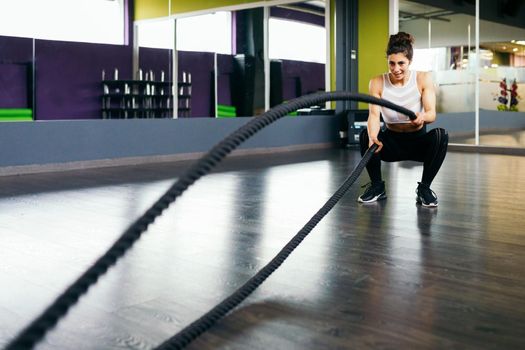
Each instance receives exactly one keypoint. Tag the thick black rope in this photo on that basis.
(37, 329)
(195, 329)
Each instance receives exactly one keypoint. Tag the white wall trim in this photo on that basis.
(266, 44)
(328, 64)
(175, 73)
(393, 23)
(477, 76)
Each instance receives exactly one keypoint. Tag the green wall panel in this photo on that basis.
(147, 9)
(372, 37)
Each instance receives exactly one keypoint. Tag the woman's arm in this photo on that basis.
(374, 122)
(428, 99)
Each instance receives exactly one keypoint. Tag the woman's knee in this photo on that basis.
(441, 136)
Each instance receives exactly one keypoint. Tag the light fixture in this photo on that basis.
(515, 49)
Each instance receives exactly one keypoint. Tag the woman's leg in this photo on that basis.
(376, 189)
(435, 154)
(374, 165)
(431, 150)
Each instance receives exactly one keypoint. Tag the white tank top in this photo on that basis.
(407, 96)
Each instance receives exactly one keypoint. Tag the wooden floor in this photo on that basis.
(386, 276)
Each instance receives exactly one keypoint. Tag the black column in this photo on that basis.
(346, 64)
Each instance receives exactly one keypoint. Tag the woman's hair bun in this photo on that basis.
(401, 38)
(401, 43)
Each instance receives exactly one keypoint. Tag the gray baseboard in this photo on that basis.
(34, 147)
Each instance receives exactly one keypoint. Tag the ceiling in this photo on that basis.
(506, 47)
(409, 11)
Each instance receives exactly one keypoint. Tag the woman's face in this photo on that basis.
(398, 66)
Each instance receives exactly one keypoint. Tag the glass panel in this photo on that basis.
(220, 71)
(297, 51)
(53, 55)
(204, 58)
(191, 37)
(149, 94)
(502, 74)
(445, 46)
(98, 21)
(247, 63)
(16, 79)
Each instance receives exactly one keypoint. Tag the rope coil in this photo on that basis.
(48, 319)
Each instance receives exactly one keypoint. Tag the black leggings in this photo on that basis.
(429, 148)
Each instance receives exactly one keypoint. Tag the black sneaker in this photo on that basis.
(375, 191)
(425, 196)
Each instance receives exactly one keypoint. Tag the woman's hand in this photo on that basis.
(420, 120)
(374, 140)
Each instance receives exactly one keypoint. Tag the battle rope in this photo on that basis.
(37, 329)
(191, 332)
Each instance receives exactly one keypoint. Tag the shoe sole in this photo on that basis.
(375, 199)
(430, 205)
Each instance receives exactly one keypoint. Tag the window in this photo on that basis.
(433, 59)
(97, 21)
(296, 41)
(156, 34)
(206, 33)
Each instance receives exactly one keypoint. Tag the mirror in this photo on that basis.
(107, 82)
(246, 64)
(297, 51)
(16, 79)
(502, 74)
(51, 58)
(444, 45)
(151, 93)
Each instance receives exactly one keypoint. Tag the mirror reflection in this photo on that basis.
(297, 50)
(220, 71)
(51, 59)
(502, 74)
(445, 45)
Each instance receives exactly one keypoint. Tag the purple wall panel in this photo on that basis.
(68, 76)
(156, 60)
(15, 55)
(225, 70)
(312, 76)
(16, 49)
(14, 91)
(200, 65)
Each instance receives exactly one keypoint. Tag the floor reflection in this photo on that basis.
(425, 217)
(390, 274)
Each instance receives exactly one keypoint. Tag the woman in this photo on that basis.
(403, 139)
